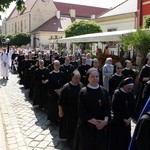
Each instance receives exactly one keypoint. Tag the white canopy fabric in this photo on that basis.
(96, 37)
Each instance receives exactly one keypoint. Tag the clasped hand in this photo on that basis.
(101, 124)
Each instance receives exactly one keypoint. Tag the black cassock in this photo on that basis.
(83, 70)
(40, 94)
(69, 102)
(114, 82)
(129, 73)
(145, 72)
(93, 103)
(31, 80)
(123, 107)
(56, 81)
(142, 133)
(67, 70)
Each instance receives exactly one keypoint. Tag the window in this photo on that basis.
(25, 24)
(111, 29)
(21, 26)
(15, 27)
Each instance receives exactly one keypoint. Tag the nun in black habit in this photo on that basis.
(143, 77)
(122, 106)
(40, 94)
(93, 115)
(55, 84)
(68, 103)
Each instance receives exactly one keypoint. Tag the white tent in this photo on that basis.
(96, 37)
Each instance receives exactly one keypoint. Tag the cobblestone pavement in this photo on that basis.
(25, 128)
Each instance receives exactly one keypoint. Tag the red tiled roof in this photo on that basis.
(55, 25)
(81, 10)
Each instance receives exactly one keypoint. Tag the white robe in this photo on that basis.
(4, 64)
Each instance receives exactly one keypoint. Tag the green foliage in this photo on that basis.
(147, 23)
(21, 39)
(82, 27)
(140, 40)
(4, 4)
(1, 37)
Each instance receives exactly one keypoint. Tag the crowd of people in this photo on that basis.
(93, 106)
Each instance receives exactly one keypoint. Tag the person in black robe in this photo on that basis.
(93, 115)
(123, 104)
(142, 133)
(21, 57)
(31, 83)
(143, 78)
(46, 59)
(68, 103)
(27, 64)
(40, 94)
(74, 62)
(67, 69)
(83, 68)
(95, 64)
(115, 80)
(128, 71)
(146, 92)
(55, 84)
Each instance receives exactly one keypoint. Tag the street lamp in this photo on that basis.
(6, 41)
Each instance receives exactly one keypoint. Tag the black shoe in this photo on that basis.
(3, 77)
(6, 78)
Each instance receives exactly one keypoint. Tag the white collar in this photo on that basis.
(73, 83)
(118, 74)
(93, 87)
(56, 71)
(123, 90)
(127, 68)
(147, 65)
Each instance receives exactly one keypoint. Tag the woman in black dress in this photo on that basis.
(143, 77)
(122, 107)
(56, 81)
(68, 103)
(115, 80)
(93, 115)
(40, 95)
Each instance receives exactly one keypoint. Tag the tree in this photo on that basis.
(21, 39)
(147, 23)
(140, 40)
(82, 27)
(1, 37)
(4, 4)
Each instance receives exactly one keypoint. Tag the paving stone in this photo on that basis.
(33, 144)
(26, 128)
(43, 144)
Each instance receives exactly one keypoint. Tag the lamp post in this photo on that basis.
(6, 42)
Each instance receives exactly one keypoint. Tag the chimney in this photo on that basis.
(72, 13)
(58, 14)
(92, 16)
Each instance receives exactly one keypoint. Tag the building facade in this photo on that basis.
(143, 12)
(46, 20)
(121, 17)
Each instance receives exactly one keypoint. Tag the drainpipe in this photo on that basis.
(141, 16)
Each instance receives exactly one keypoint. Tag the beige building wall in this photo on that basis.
(116, 23)
(121, 24)
(42, 12)
(18, 24)
(44, 38)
